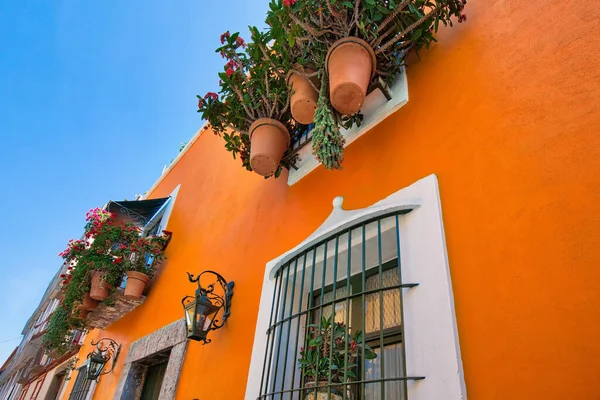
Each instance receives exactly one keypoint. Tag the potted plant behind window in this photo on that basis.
(251, 111)
(330, 356)
(355, 44)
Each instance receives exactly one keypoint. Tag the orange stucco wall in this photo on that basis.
(506, 111)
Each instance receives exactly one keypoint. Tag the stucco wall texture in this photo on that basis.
(505, 110)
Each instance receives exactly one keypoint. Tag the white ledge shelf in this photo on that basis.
(375, 109)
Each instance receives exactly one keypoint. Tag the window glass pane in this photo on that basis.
(391, 302)
(340, 308)
(393, 369)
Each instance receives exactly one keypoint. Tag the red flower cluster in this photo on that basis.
(289, 3)
(230, 68)
(240, 42)
(66, 279)
(211, 95)
(225, 36)
(73, 248)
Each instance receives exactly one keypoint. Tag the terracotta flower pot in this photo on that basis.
(303, 101)
(82, 312)
(99, 287)
(88, 303)
(350, 65)
(136, 283)
(268, 141)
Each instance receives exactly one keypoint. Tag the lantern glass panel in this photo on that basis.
(205, 312)
(96, 365)
(190, 310)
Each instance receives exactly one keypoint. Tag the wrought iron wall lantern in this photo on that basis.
(106, 350)
(201, 310)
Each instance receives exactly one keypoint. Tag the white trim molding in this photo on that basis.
(375, 109)
(431, 335)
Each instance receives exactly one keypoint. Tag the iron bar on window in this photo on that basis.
(372, 251)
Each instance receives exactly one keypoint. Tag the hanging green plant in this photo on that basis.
(327, 140)
(57, 336)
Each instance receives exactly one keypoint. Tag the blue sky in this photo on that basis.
(95, 97)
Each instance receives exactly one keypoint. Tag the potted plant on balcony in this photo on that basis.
(330, 357)
(354, 44)
(251, 111)
(140, 262)
(107, 243)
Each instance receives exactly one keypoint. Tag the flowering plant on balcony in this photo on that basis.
(352, 45)
(109, 248)
(252, 88)
(331, 352)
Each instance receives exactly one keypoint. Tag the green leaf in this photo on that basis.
(370, 354)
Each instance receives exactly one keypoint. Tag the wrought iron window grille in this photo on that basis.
(358, 270)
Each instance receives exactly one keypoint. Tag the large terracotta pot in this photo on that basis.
(99, 287)
(350, 64)
(88, 303)
(81, 312)
(269, 139)
(303, 101)
(136, 283)
(322, 392)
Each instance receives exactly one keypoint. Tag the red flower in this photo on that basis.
(289, 3)
(229, 71)
(240, 42)
(211, 95)
(224, 36)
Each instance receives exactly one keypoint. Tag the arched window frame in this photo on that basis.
(431, 334)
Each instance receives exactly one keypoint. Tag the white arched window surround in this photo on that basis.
(431, 335)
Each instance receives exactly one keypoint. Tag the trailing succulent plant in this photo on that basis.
(327, 140)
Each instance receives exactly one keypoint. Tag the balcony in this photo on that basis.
(109, 312)
(380, 103)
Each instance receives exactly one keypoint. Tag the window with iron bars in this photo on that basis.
(336, 325)
(82, 385)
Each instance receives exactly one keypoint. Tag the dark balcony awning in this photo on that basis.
(137, 212)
